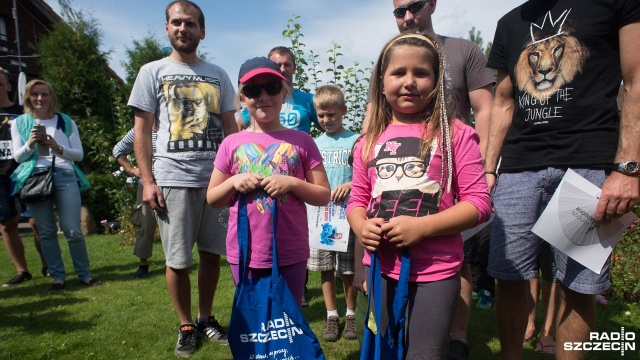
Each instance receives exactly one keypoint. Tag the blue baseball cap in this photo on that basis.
(257, 66)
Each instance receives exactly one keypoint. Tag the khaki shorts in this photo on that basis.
(189, 220)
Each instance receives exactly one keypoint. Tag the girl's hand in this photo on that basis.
(246, 183)
(403, 231)
(371, 233)
(276, 185)
(340, 192)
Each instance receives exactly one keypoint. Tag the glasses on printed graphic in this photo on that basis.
(413, 8)
(413, 169)
(271, 88)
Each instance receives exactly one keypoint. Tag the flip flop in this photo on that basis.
(546, 345)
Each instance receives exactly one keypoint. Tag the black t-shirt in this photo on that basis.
(7, 163)
(563, 60)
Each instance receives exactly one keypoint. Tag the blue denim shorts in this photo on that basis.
(519, 199)
(8, 209)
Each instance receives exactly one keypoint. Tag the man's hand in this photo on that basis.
(619, 196)
(134, 171)
(152, 195)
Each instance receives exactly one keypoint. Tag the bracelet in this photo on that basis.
(492, 173)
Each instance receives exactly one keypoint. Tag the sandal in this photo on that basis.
(546, 345)
(529, 338)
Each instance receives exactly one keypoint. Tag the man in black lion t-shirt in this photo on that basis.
(560, 64)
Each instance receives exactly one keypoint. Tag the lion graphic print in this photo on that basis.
(551, 59)
(402, 186)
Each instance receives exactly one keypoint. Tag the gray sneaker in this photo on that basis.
(331, 329)
(213, 330)
(349, 331)
(187, 340)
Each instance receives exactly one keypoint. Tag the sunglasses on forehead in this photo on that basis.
(413, 8)
(271, 88)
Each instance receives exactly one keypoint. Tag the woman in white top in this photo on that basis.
(35, 150)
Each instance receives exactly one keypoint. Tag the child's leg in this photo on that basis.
(346, 267)
(294, 275)
(350, 294)
(329, 289)
(430, 303)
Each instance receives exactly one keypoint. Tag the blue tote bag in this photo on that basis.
(387, 346)
(266, 322)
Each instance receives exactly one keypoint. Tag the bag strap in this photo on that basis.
(275, 272)
(243, 240)
(396, 317)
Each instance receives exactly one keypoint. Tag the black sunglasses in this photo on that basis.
(413, 8)
(271, 88)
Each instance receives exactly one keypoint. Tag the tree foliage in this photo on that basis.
(142, 51)
(72, 62)
(352, 79)
(476, 37)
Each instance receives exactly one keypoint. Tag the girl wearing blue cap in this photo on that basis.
(269, 164)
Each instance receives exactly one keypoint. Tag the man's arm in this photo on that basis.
(128, 166)
(229, 125)
(481, 103)
(499, 123)
(143, 149)
(620, 192)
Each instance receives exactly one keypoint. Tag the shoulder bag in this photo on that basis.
(266, 321)
(39, 186)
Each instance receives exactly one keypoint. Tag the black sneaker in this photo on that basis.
(458, 350)
(22, 276)
(331, 329)
(187, 340)
(141, 272)
(213, 330)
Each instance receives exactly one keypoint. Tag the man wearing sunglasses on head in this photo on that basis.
(298, 112)
(472, 84)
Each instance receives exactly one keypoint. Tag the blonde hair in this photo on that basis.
(435, 116)
(28, 106)
(328, 96)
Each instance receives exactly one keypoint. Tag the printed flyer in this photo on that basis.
(328, 226)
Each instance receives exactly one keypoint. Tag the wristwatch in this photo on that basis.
(630, 168)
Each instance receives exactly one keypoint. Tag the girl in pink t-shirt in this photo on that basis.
(409, 167)
(269, 164)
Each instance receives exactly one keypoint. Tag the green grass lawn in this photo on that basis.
(127, 318)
